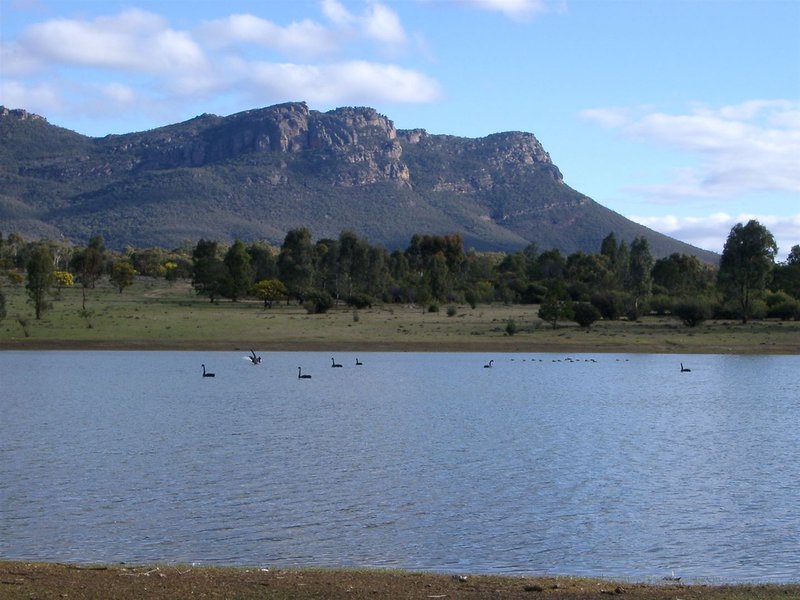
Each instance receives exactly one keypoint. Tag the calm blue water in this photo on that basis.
(623, 467)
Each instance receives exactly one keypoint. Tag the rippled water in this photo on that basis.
(604, 465)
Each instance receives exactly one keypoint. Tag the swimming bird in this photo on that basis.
(334, 363)
(358, 362)
(684, 369)
(488, 365)
(206, 373)
(256, 360)
(300, 374)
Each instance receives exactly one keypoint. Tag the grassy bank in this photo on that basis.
(155, 315)
(20, 580)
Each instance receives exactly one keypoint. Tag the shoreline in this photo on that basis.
(25, 579)
(484, 346)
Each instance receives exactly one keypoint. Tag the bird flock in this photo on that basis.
(256, 360)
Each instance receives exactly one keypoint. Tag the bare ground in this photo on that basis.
(43, 581)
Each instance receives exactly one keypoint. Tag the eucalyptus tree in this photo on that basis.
(747, 260)
(640, 271)
(88, 265)
(39, 270)
(296, 262)
(208, 270)
(238, 274)
(786, 276)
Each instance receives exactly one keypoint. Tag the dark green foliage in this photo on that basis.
(692, 311)
(585, 314)
(611, 304)
(781, 305)
(786, 276)
(746, 262)
(452, 311)
(317, 302)
(787, 311)
(511, 327)
(660, 304)
(2, 305)
(238, 275)
(40, 277)
(296, 262)
(208, 269)
(360, 301)
(557, 305)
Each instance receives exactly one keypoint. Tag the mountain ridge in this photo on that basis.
(258, 173)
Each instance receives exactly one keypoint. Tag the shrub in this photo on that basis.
(360, 301)
(585, 314)
(433, 308)
(786, 311)
(318, 302)
(660, 304)
(471, 298)
(692, 311)
(610, 304)
(511, 327)
(452, 311)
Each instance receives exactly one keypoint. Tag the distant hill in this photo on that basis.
(258, 173)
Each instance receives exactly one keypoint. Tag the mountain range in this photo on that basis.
(257, 174)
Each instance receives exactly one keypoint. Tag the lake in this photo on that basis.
(593, 464)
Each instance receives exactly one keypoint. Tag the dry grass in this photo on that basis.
(19, 580)
(154, 315)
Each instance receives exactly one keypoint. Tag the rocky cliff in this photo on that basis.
(258, 173)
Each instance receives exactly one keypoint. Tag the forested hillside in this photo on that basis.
(257, 175)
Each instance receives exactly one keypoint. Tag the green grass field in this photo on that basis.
(153, 314)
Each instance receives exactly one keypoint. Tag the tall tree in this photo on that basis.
(208, 269)
(786, 276)
(122, 274)
(747, 259)
(238, 278)
(640, 272)
(88, 265)
(40, 277)
(296, 262)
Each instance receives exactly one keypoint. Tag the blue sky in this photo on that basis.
(683, 115)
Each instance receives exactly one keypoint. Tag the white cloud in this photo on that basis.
(382, 24)
(711, 231)
(305, 37)
(119, 94)
(336, 12)
(41, 97)
(514, 9)
(753, 146)
(134, 40)
(136, 63)
(354, 81)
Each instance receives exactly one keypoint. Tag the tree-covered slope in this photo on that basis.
(259, 173)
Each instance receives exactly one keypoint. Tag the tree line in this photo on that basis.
(620, 280)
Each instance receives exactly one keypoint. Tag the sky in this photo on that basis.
(682, 115)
